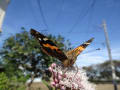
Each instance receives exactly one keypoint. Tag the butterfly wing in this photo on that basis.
(48, 47)
(72, 54)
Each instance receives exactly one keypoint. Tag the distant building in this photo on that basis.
(3, 6)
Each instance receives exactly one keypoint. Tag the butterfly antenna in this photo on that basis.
(76, 71)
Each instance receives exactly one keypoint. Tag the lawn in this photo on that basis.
(98, 86)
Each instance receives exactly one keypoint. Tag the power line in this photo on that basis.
(42, 14)
(34, 16)
(81, 16)
(32, 12)
(61, 10)
(93, 50)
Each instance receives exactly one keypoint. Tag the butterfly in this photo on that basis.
(50, 48)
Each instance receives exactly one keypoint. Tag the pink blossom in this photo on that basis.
(73, 78)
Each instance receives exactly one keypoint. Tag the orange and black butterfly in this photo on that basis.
(50, 48)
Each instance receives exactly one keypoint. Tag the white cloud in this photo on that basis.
(116, 53)
(96, 56)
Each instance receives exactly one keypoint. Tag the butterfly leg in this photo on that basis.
(76, 71)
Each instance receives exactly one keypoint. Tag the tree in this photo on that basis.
(11, 83)
(102, 72)
(21, 53)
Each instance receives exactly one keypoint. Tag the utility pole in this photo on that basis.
(110, 56)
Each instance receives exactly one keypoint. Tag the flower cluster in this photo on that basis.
(71, 78)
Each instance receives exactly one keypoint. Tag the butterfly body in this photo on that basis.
(50, 48)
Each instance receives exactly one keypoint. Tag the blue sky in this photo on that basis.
(76, 20)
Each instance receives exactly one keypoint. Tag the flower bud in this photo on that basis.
(53, 83)
(56, 85)
(53, 65)
(50, 69)
(59, 77)
(62, 87)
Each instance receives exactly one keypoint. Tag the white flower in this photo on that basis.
(73, 78)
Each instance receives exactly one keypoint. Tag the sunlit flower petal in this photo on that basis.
(73, 77)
